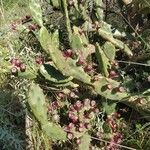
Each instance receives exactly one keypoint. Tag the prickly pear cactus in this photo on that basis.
(67, 67)
(109, 50)
(113, 94)
(53, 75)
(54, 131)
(85, 142)
(37, 103)
(82, 35)
(102, 60)
(36, 11)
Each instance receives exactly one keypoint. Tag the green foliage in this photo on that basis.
(101, 88)
(55, 3)
(45, 39)
(106, 33)
(85, 142)
(109, 51)
(99, 11)
(37, 103)
(53, 75)
(54, 131)
(102, 60)
(36, 11)
(67, 67)
(109, 108)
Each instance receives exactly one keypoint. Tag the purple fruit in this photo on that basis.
(71, 125)
(55, 105)
(61, 95)
(71, 108)
(88, 68)
(78, 141)
(17, 63)
(74, 119)
(68, 53)
(113, 74)
(22, 67)
(78, 105)
(81, 125)
(28, 17)
(72, 95)
(88, 126)
(13, 61)
(66, 129)
(80, 61)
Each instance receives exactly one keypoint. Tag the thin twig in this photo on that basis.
(113, 143)
(3, 109)
(133, 63)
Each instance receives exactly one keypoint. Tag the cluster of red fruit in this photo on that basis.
(120, 89)
(80, 62)
(31, 27)
(17, 65)
(116, 136)
(19, 22)
(116, 139)
(80, 116)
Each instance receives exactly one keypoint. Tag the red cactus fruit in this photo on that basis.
(68, 53)
(22, 67)
(78, 141)
(71, 125)
(80, 62)
(78, 105)
(88, 68)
